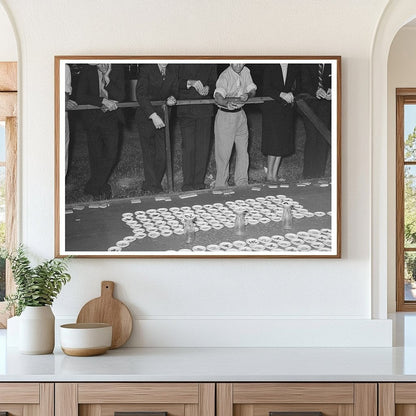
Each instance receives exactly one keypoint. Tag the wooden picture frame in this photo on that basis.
(405, 302)
(295, 100)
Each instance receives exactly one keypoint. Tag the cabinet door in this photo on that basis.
(142, 399)
(297, 399)
(26, 399)
(397, 399)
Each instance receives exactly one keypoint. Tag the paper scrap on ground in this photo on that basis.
(184, 196)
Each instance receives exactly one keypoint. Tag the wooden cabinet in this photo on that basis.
(27, 399)
(331, 399)
(228, 399)
(397, 399)
(105, 399)
(208, 399)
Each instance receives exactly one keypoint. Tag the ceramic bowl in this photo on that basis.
(83, 340)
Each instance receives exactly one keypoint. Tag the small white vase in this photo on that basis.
(37, 330)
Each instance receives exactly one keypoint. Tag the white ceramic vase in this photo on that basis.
(37, 330)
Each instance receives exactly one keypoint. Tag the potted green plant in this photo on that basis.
(36, 289)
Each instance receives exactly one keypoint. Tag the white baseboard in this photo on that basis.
(189, 332)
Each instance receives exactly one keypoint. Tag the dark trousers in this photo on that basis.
(316, 148)
(196, 136)
(103, 140)
(152, 141)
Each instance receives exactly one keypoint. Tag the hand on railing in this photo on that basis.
(171, 101)
(244, 97)
(69, 105)
(108, 105)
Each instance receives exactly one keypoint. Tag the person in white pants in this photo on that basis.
(233, 88)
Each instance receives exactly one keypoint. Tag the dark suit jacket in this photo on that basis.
(309, 78)
(207, 74)
(152, 87)
(88, 91)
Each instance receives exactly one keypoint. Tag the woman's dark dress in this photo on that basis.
(278, 136)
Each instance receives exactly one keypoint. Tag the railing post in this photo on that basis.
(169, 168)
(305, 110)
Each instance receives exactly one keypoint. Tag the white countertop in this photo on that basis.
(222, 364)
(215, 364)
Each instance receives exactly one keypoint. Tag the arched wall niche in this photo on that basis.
(401, 74)
(396, 15)
(9, 50)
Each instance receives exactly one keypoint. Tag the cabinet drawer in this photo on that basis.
(270, 399)
(147, 399)
(19, 393)
(138, 393)
(21, 399)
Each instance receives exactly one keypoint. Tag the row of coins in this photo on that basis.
(313, 239)
(319, 240)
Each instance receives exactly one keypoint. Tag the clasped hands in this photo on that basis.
(199, 87)
(70, 105)
(108, 105)
(288, 97)
(321, 94)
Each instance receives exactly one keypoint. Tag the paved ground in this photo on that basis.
(97, 227)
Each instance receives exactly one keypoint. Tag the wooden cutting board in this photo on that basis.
(107, 309)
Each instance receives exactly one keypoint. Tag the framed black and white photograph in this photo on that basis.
(198, 156)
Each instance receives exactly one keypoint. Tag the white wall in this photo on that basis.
(8, 46)
(401, 74)
(212, 302)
